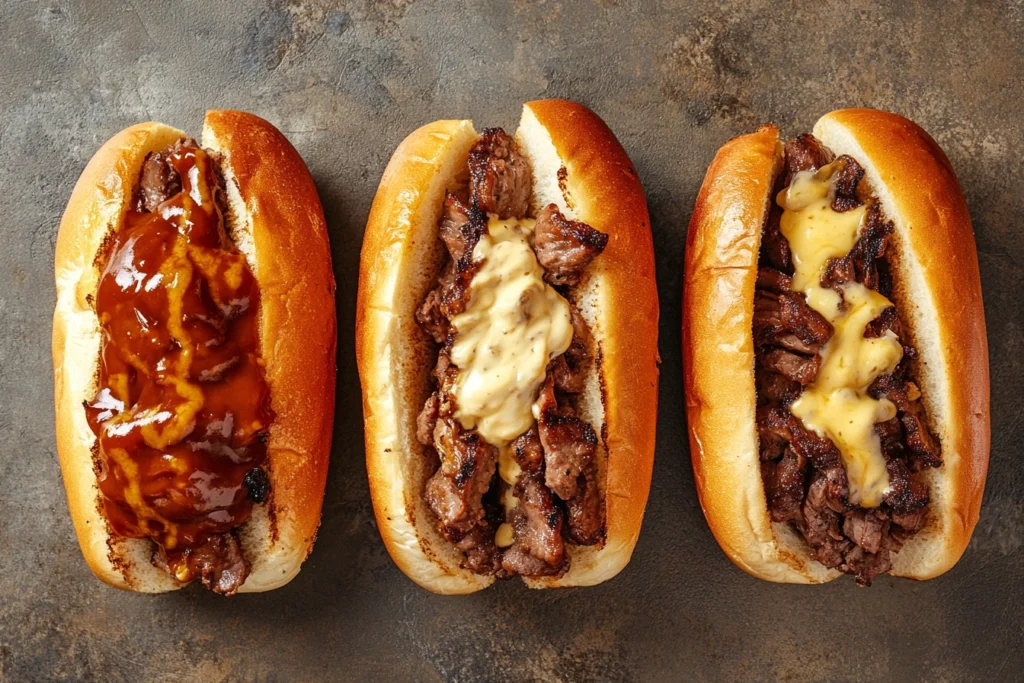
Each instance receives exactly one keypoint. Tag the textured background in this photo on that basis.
(346, 83)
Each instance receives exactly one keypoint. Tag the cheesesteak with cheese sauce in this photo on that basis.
(805, 481)
(556, 493)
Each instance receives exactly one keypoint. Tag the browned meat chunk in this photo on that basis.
(586, 521)
(778, 315)
(455, 492)
(431, 318)
(482, 556)
(499, 177)
(784, 486)
(158, 181)
(774, 281)
(565, 247)
(866, 528)
(922, 446)
(566, 379)
(802, 369)
(460, 228)
(427, 420)
(861, 264)
(845, 183)
(774, 245)
(528, 452)
(911, 521)
(805, 153)
(866, 566)
(888, 320)
(537, 524)
(218, 563)
(569, 443)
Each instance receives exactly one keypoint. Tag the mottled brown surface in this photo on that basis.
(674, 81)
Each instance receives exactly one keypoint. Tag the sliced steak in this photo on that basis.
(866, 528)
(158, 181)
(784, 486)
(537, 524)
(864, 565)
(569, 443)
(499, 176)
(460, 229)
(779, 315)
(218, 563)
(426, 421)
(802, 369)
(805, 153)
(431, 317)
(586, 521)
(455, 492)
(923, 448)
(844, 184)
(482, 555)
(565, 247)
(528, 452)
(774, 245)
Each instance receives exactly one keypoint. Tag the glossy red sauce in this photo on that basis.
(183, 408)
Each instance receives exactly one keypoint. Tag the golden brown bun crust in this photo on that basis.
(400, 261)
(935, 265)
(604, 191)
(276, 220)
(298, 326)
(722, 246)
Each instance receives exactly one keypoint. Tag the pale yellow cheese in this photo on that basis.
(836, 405)
(513, 325)
(504, 536)
(508, 468)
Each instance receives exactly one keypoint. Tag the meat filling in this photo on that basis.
(804, 477)
(556, 496)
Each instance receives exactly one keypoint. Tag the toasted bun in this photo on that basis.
(938, 294)
(275, 219)
(401, 259)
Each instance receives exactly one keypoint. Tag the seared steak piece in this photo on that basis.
(158, 181)
(537, 523)
(565, 247)
(586, 521)
(455, 492)
(499, 177)
(218, 563)
(805, 153)
(784, 486)
(845, 183)
(569, 443)
(431, 318)
(528, 452)
(426, 421)
(461, 228)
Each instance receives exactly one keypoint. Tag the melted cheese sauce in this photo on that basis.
(836, 405)
(514, 324)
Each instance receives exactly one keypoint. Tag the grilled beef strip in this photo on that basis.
(804, 478)
(558, 497)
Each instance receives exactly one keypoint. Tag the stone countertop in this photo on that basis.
(674, 80)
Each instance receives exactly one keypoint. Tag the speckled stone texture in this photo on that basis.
(346, 83)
